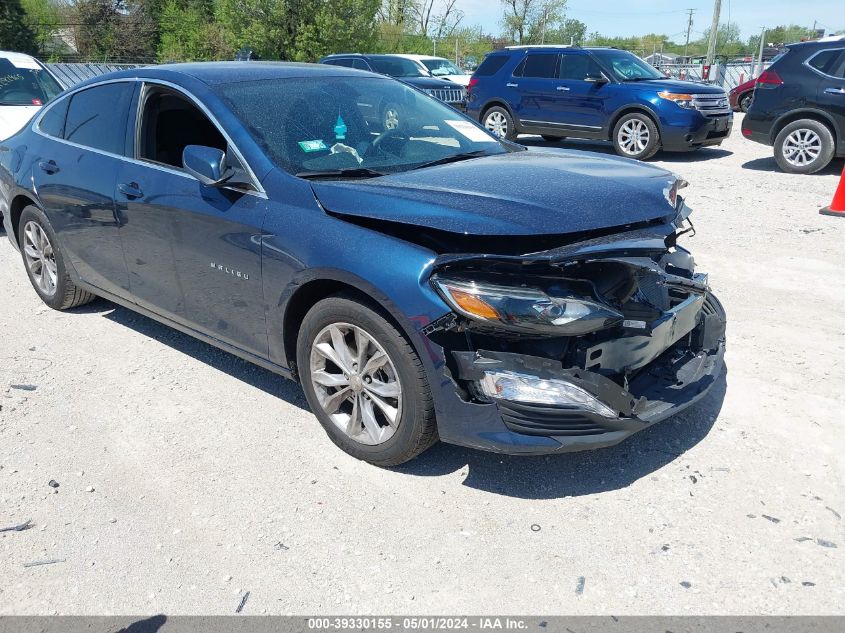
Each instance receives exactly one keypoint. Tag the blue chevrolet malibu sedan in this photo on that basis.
(422, 281)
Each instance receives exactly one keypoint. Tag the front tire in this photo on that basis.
(636, 136)
(499, 122)
(745, 101)
(45, 263)
(364, 382)
(804, 147)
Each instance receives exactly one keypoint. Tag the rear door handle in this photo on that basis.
(563, 88)
(512, 85)
(48, 166)
(835, 91)
(130, 190)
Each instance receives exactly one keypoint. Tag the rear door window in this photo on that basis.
(97, 116)
(53, 121)
(360, 64)
(828, 62)
(577, 67)
(539, 66)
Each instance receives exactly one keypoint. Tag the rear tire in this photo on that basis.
(745, 101)
(45, 263)
(499, 122)
(804, 147)
(636, 136)
(373, 398)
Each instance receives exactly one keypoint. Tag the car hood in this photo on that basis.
(463, 80)
(678, 85)
(13, 118)
(519, 193)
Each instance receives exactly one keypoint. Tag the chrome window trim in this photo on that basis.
(131, 159)
(807, 61)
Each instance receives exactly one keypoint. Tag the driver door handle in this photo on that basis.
(130, 190)
(48, 166)
(835, 91)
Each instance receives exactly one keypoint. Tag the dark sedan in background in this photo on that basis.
(416, 279)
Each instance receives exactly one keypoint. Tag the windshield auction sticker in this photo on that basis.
(312, 146)
(471, 132)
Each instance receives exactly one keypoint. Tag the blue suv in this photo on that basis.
(595, 93)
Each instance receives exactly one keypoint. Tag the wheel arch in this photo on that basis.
(816, 115)
(500, 103)
(16, 207)
(323, 284)
(630, 109)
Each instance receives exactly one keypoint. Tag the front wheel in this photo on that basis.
(804, 147)
(636, 136)
(364, 382)
(745, 101)
(499, 121)
(45, 263)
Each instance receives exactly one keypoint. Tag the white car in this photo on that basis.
(439, 67)
(25, 86)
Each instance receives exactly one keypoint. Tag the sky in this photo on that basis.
(639, 17)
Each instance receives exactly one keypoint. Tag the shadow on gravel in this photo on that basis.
(576, 474)
(251, 374)
(148, 625)
(769, 164)
(605, 147)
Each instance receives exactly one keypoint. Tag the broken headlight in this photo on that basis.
(526, 309)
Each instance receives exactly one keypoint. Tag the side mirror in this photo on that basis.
(596, 78)
(206, 164)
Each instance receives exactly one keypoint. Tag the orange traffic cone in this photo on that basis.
(837, 207)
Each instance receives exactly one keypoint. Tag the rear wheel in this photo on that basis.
(45, 263)
(364, 382)
(636, 136)
(804, 147)
(745, 101)
(499, 121)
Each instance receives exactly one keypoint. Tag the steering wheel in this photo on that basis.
(384, 135)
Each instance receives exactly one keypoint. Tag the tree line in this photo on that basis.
(305, 30)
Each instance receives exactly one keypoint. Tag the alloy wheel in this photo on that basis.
(40, 258)
(802, 147)
(633, 137)
(497, 123)
(356, 383)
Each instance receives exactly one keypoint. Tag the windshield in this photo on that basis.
(441, 67)
(626, 66)
(363, 126)
(396, 67)
(24, 83)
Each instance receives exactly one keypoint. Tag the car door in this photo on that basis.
(534, 89)
(831, 91)
(581, 96)
(193, 251)
(75, 175)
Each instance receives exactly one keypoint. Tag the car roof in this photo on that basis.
(21, 58)
(417, 57)
(214, 73)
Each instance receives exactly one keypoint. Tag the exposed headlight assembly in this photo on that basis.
(525, 309)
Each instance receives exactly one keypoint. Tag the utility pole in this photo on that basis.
(714, 32)
(759, 68)
(689, 28)
(545, 19)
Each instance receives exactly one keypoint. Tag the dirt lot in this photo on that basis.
(188, 477)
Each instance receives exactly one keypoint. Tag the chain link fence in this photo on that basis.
(728, 76)
(70, 74)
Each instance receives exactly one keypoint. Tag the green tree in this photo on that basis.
(783, 34)
(187, 32)
(15, 32)
(42, 16)
(569, 31)
(113, 30)
(336, 26)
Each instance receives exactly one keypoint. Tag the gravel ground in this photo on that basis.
(187, 477)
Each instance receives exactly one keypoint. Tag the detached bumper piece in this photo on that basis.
(662, 373)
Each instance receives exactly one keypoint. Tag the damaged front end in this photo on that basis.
(580, 346)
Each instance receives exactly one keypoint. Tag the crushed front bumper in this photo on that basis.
(679, 362)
